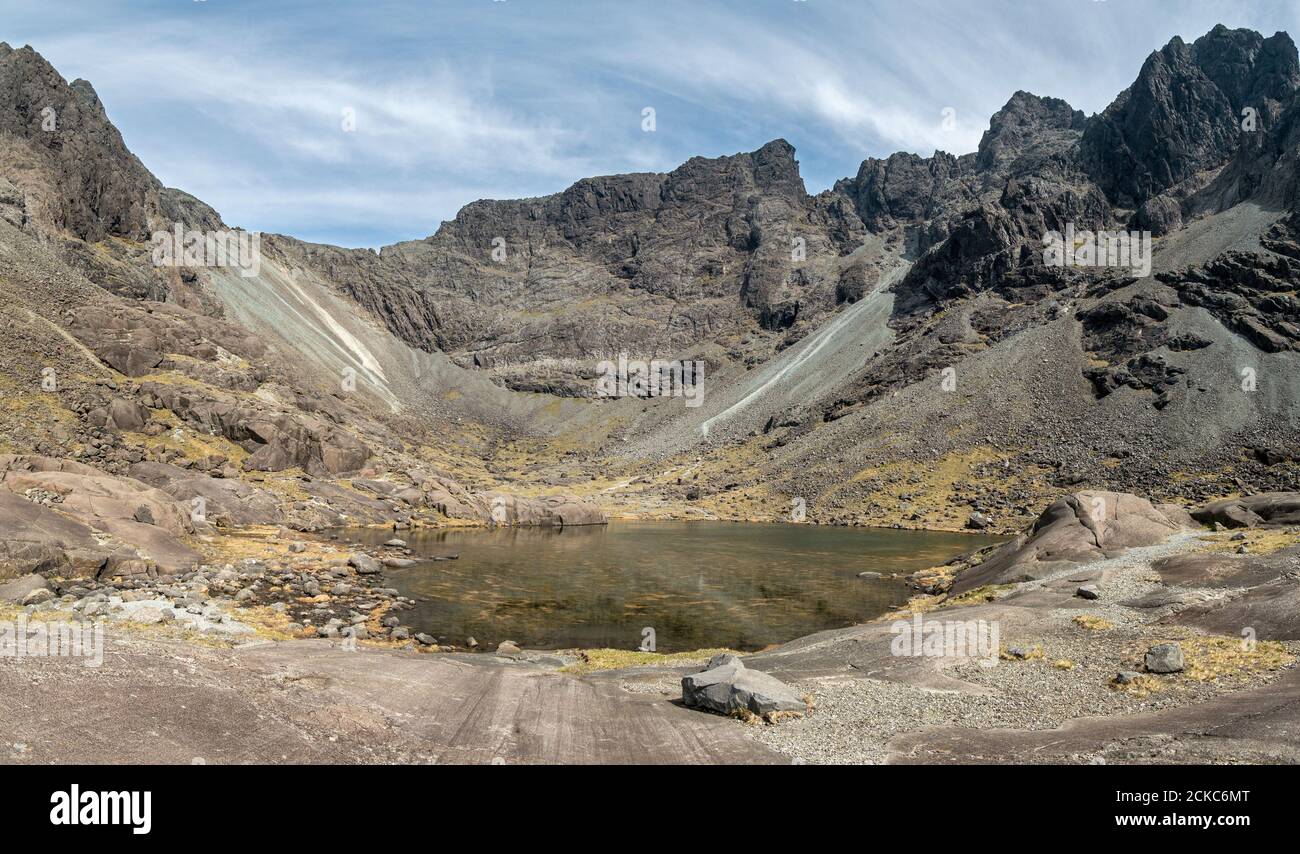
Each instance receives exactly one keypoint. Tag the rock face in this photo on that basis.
(35, 538)
(1084, 375)
(1078, 528)
(20, 588)
(727, 687)
(146, 520)
(1184, 112)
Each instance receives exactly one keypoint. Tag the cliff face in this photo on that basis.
(731, 261)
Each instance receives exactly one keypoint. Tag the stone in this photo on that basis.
(38, 596)
(508, 647)
(1088, 591)
(978, 521)
(727, 687)
(1267, 508)
(1081, 527)
(1164, 658)
(20, 588)
(426, 640)
(1127, 677)
(364, 564)
(395, 543)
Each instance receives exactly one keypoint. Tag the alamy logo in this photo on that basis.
(228, 248)
(1122, 249)
(655, 378)
(52, 639)
(946, 639)
(74, 807)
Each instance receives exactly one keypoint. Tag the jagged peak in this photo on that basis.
(1021, 123)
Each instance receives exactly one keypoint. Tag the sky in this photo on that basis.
(366, 123)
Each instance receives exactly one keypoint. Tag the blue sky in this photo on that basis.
(242, 103)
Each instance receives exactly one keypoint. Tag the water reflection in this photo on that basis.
(697, 584)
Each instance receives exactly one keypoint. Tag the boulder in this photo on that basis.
(364, 564)
(1085, 526)
(224, 501)
(727, 687)
(1164, 658)
(1268, 508)
(129, 360)
(126, 415)
(20, 588)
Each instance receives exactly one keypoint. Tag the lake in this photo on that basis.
(695, 584)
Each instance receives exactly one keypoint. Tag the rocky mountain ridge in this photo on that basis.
(490, 330)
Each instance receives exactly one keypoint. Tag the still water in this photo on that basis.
(696, 584)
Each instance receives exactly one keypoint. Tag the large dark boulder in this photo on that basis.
(1269, 508)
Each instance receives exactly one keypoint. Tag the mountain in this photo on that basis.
(895, 350)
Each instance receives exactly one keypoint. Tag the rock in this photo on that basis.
(1088, 591)
(1271, 508)
(297, 547)
(1164, 658)
(728, 687)
(34, 538)
(471, 643)
(20, 588)
(869, 574)
(38, 597)
(508, 647)
(395, 543)
(426, 640)
(1019, 653)
(110, 504)
(398, 562)
(1085, 526)
(147, 615)
(225, 501)
(978, 521)
(364, 564)
(1127, 677)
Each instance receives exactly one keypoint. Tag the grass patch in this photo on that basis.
(1258, 541)
(1034, 653)
(616, 659)
(1141, 686)
(1213, 657)
(1093, 623)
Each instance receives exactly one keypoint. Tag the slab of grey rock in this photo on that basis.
(1164, 658)
(726, 686)
(364, 564)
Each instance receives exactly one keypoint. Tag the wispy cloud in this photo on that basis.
(242, 103)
